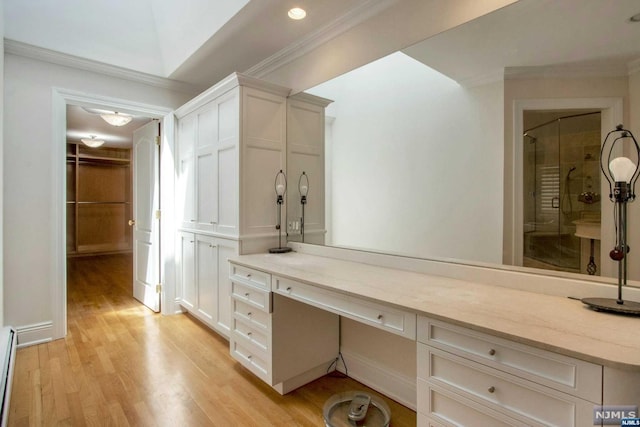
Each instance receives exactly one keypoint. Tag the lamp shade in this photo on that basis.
(622, 169)
(116, 119)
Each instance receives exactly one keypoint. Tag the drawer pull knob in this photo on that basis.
(249, 314)
(492, 352)
(249, 357)
(288, 288)
(249, 334)
(491, 389)
(248, 275)
(247, 294)
(380, 316)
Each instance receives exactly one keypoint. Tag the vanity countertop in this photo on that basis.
(553, 323)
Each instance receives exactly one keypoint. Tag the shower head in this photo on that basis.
(569, 173)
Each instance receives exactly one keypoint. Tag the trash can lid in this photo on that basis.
(356, 408)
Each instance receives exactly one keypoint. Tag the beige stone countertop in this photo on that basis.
(558, 324)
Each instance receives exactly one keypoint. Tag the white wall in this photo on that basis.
(30, 251)
(417, 162)
(2, 322)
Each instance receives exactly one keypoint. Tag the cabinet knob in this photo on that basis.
(212, 222)
(249, 334)
(246, 294)
(288, 288)
(492, 352)
(212, 246)
(192, 220)
(249, 357)
(491, 389)
(132, 222)
(248, 276)
(380, 316)
(249, 314)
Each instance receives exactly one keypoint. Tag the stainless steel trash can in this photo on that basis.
(356, 408)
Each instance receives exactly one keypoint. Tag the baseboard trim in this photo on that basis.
(36, 333)
(395, 385)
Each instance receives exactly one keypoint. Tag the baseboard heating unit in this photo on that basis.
(8, 360)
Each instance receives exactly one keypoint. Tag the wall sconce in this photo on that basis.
(281, 188)
(303, 188)
(622, 174)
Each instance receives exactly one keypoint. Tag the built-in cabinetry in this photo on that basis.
(470, 378)
(306, 154)
(478, 362)
(284, 342)
(98, 199)
(231, 143)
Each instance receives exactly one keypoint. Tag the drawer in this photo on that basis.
(563, 373)
(256, 318)
(522, 399)
(256, 362)
(378, 315)
(438, 406)
(251, 277)
(247, 334)
(256, 298)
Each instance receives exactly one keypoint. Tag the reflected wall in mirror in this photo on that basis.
(425, 148)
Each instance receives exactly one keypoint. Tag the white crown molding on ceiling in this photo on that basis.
(567, 71)
(315, 39)
(46, 55)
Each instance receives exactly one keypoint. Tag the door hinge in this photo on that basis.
(158, 214)
(158, 288)
(158, 140)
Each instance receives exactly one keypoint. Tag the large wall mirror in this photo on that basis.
(481, 144)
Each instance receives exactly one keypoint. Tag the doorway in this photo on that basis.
(561, 175)
(61, 99)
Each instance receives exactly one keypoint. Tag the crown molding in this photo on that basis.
(566, 71)
(46, 55)
(315, 39)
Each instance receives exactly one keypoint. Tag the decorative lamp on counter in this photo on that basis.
(303, 188)
(621, 173)
(281, 189)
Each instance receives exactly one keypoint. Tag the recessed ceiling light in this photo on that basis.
(297, 13)
(635, 18)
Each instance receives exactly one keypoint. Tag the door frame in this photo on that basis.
(61, 97)
(612, 114)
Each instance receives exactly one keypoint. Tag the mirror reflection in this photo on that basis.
(481, 144)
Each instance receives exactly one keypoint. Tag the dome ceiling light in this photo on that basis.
(116, 119)
(92, 142)
(297, 13)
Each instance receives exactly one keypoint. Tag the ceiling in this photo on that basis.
(202, 41)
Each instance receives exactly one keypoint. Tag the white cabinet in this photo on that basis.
(282, 341)
(230, 145)
(306, 153)
(208, 168)
(206, 288)
(469, 378)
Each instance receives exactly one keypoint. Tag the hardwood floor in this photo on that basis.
(123, 365)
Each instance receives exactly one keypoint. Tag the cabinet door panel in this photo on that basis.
(187, 270)
(224, 304)
(207, 126)
(228, 190)
(185, 189)
(206, 187)
(207, 277)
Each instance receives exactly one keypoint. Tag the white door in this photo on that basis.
(146, 221)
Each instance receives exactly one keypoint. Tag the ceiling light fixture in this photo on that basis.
(93, 142)
(297, 13)
(116, 119)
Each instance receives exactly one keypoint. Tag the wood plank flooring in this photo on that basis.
(122, 365)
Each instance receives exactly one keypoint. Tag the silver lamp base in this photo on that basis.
(612, 305)
(281, 250)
